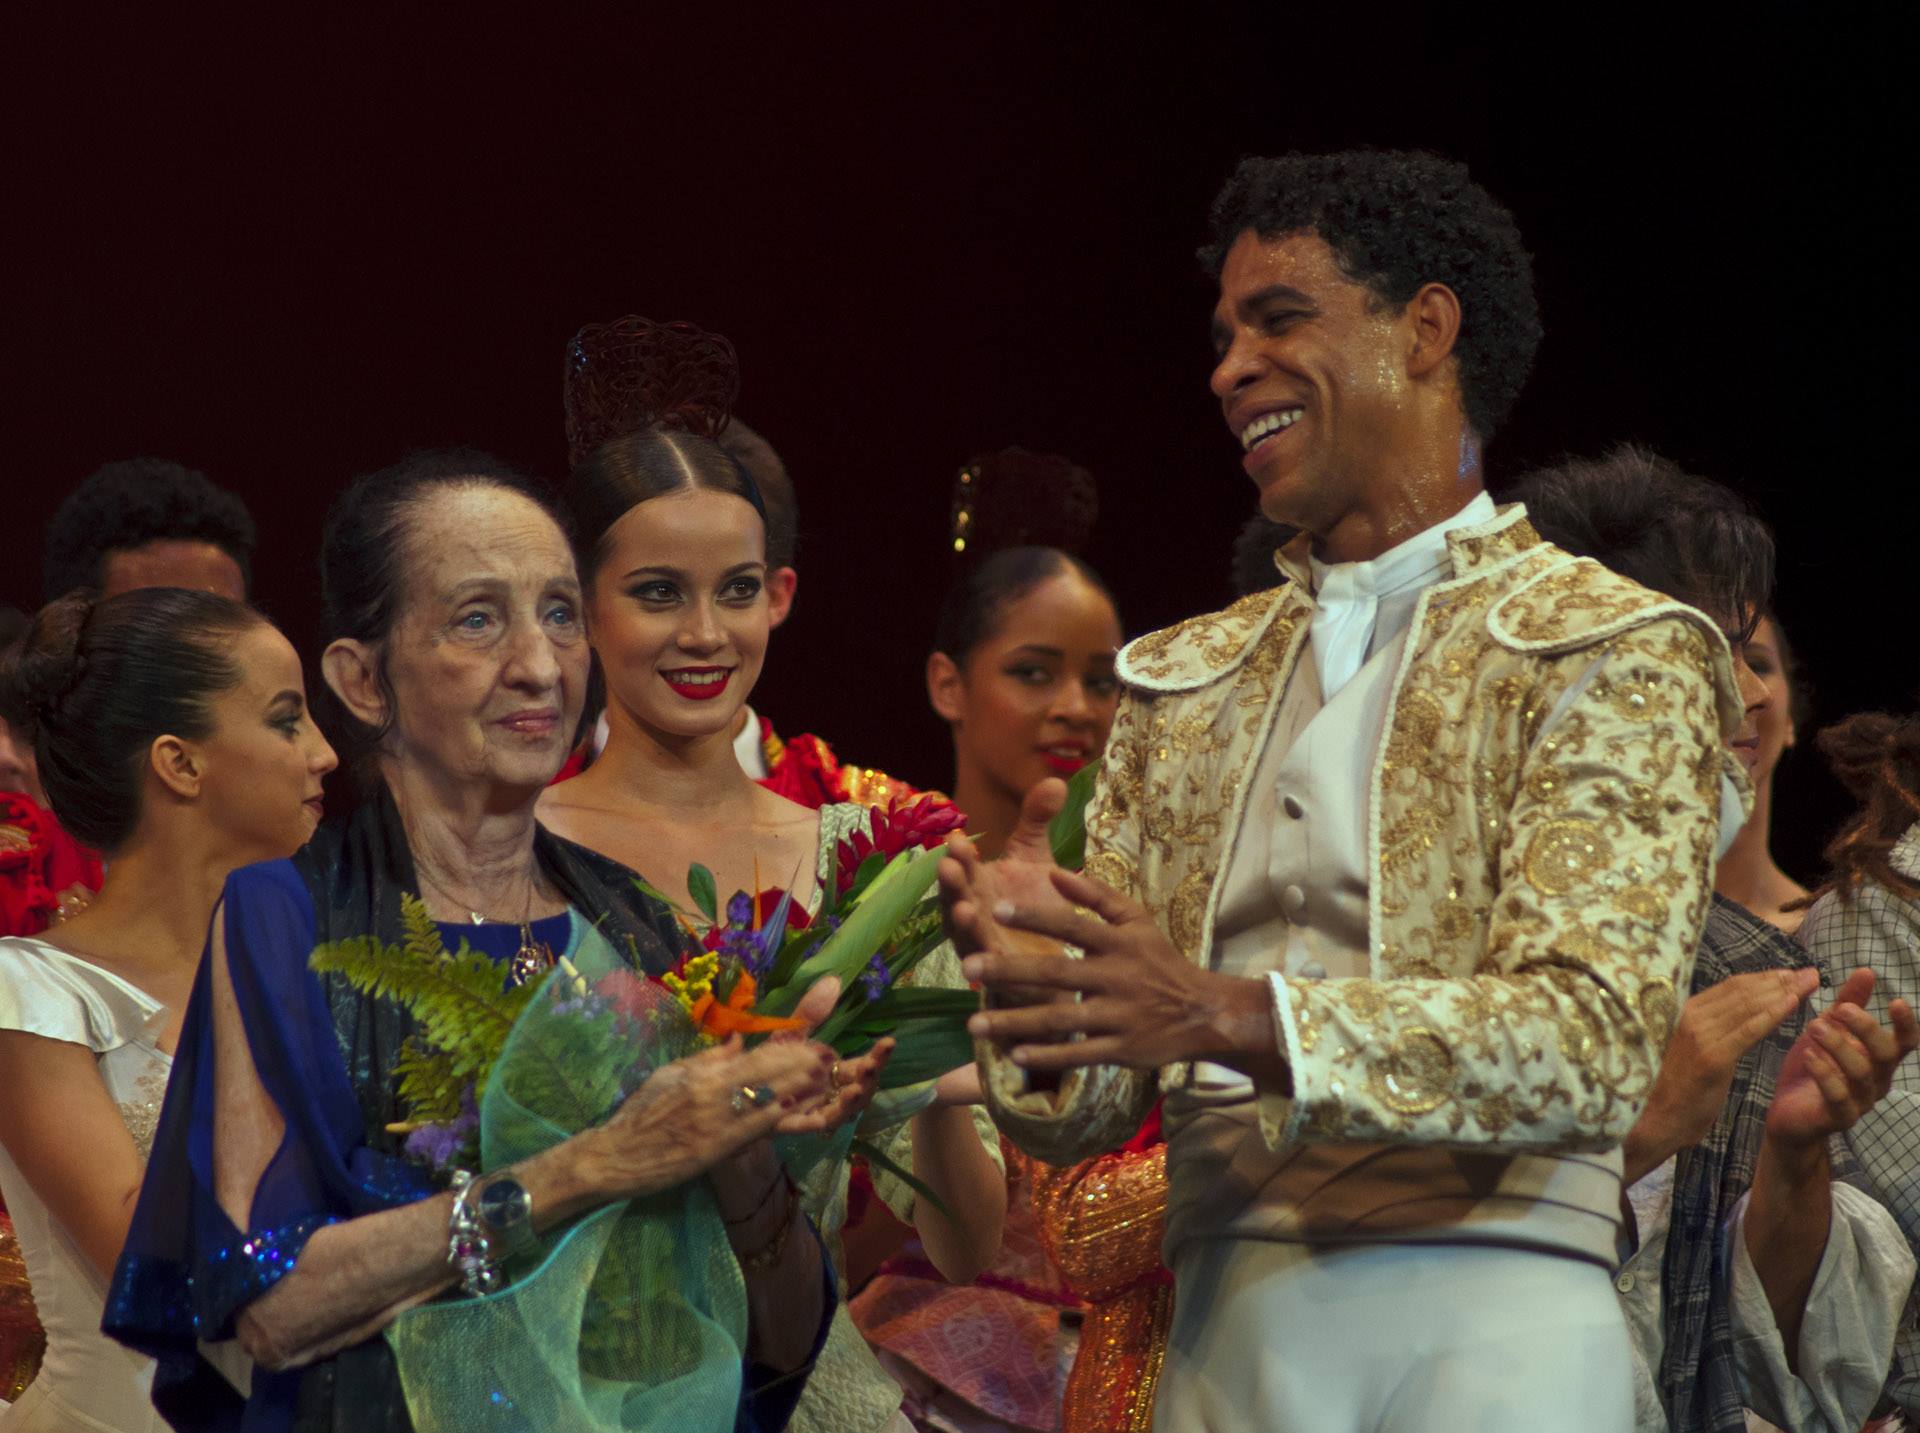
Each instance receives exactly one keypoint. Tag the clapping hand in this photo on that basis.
(1135, 999)
(1841, 1066)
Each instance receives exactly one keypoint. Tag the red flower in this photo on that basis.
(763, 904)
(921, 824)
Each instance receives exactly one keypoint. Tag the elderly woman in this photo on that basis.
(281, 1209)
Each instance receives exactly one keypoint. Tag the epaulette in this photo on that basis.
(1576, 602)
(1203, 649)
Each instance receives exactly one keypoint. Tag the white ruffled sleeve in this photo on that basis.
(46, 992)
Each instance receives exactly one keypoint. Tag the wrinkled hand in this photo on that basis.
(1841, 1067)
(851, 1084)
(1141, 1002)
(683, 1121)
(1717, 1027)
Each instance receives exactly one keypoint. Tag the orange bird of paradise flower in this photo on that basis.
(735, 1016)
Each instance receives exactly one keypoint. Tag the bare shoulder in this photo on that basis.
(775, 812)
(565, 808)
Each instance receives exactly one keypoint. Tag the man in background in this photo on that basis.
(147, 522)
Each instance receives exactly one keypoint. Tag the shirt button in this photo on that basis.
(1624, 1283)
(1291, 805)
(1293, 900)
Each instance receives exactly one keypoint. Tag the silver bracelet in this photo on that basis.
(469, 1250)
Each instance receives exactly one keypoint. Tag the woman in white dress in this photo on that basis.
(173, 735)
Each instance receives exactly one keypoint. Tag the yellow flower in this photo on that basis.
(696, 980)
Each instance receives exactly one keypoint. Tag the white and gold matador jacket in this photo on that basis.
(1535, 901)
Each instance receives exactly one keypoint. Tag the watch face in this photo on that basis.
(504, 1202)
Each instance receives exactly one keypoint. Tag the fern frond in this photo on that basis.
(458, 999)
(428, 1087)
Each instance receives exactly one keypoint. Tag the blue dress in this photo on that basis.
(322, 1053)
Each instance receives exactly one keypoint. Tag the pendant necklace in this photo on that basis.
(534, 958)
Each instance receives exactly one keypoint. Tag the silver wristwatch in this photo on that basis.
(505, 1211)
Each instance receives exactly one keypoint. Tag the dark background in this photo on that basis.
(288, 254)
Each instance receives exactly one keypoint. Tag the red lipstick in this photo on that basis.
(699, 684)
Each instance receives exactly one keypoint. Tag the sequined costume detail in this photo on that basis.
(1102, 1222)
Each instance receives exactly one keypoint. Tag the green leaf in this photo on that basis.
(866, 929)
(864, 876)
(793, 950)
(1068, 832)
(464, 1014)
(928, 1049)
(700, 886)
(653, 892)
(873, 1155)
(917, 1003)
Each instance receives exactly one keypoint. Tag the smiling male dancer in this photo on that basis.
(1395, 870)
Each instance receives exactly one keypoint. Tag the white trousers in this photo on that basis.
(1392, 1338)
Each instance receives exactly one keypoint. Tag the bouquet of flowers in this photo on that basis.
(877, 920)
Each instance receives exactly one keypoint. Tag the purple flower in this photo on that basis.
(437, 1144)
(744, 947)
(876, 978)
(740, 911)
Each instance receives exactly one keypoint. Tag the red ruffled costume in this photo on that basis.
(38, 861)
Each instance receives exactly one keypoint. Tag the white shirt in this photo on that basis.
(1361, 606)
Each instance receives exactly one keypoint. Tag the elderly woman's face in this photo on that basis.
(487, 658)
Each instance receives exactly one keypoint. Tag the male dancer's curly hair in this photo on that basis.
(1397, 220)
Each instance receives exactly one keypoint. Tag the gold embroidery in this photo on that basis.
(1563, 854)
(1660, 1010)
(1415, 1074)
(1186, 912)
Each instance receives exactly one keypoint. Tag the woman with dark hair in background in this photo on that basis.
(1868, 914)
(1022, 670)
(1748, 875)
(1022, 663)
(672, 536)
(172, 733)
(283, 1206)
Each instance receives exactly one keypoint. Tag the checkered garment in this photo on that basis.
(1698, 1385)
(1881, 930)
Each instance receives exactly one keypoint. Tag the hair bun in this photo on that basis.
(634, 373)
(49, 663)
(1016, 498)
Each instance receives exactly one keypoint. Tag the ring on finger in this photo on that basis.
(751, 1097)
